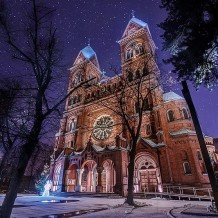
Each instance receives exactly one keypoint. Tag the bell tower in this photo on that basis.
(138, 64)
(85, 67)
(136, 44)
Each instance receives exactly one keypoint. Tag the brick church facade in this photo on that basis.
(91, 148)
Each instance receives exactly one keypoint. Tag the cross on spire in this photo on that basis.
(133, 13)
(89, 40)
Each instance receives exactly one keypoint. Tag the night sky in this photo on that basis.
(103, 22)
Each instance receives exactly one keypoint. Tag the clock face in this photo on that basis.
(103, 127)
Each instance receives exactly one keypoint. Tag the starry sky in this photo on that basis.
(103, 22)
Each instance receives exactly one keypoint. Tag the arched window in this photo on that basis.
(141, 49)
(70, 126)
(148, 129)
(133, 50)
(137, 74)
(137, 51)
(70, 102)
(129, 54)
(79, 98)
(77, 79)
(120, 84)
(75, 124)
(144, 71)
(185, 113)
(186, 167)
(130, 76)
(75, 100)
(170, 115)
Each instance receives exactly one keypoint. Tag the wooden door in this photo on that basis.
(148, 180)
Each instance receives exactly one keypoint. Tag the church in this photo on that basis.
(92, 145)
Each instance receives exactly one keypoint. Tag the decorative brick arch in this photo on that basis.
(147, 173)
(88, 176)
(142, 158)
(71, 177)
(91, 164)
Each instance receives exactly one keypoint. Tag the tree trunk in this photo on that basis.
(26, 153)
(202, 143)
(131, 165)
(11, 195)
(16, 179)
(2, 168)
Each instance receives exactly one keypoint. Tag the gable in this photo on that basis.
(87, 54)
(133, 26)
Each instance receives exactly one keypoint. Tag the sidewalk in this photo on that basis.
(197, 210)
(38, 206)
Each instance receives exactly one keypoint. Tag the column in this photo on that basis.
(79, 180)
(159, 182)
(93, 179)
(99, 186)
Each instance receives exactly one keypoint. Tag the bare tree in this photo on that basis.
(39, 51)
(8, 95)
(134, 97)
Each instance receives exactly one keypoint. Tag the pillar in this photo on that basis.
(93, 185)
(99, 186)
(79, 180)
(159, 182)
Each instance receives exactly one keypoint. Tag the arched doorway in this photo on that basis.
(71, 178)
(147, 174)
(108, 176)
(88, 179)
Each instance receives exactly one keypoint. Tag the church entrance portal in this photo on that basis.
(147, 174)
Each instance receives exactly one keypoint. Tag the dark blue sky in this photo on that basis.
(104, 21)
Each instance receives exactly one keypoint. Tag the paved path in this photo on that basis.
(46, 207)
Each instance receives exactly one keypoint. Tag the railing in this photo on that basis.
(188, 190)
(182, 192)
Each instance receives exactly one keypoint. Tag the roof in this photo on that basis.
(183, 132)
(88, 52)
(152, 144)
(139, 22)
(171, 96)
